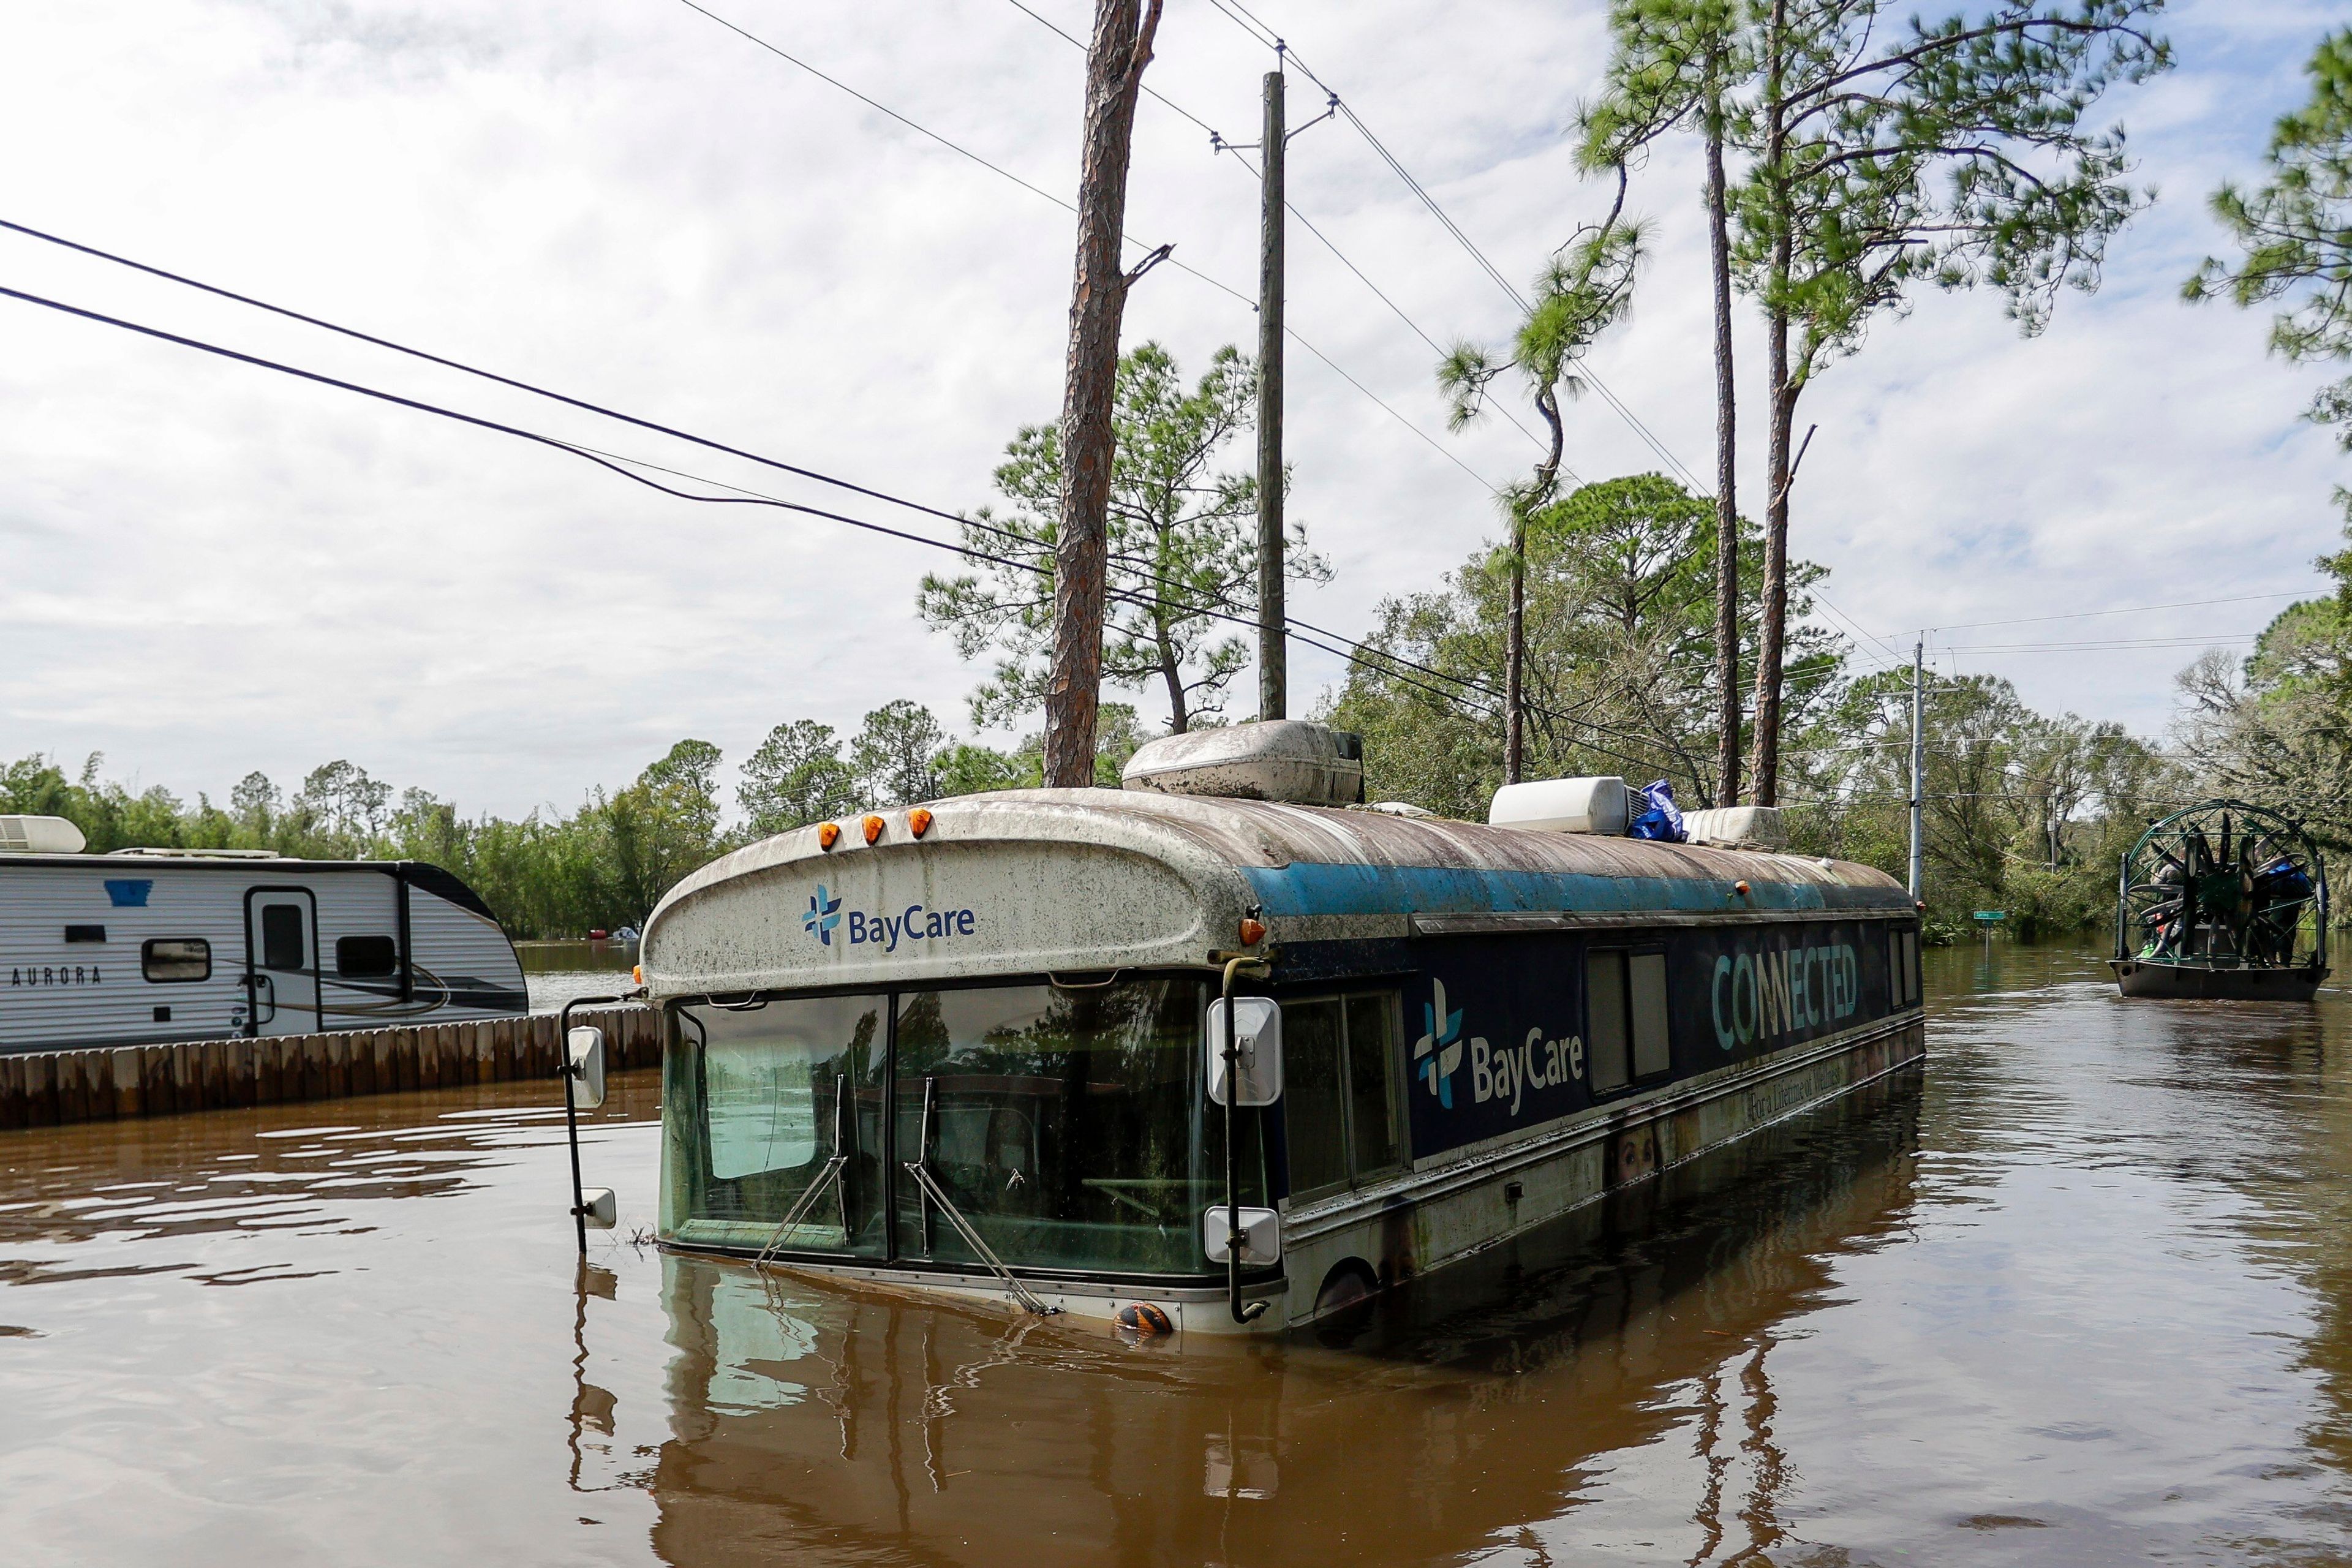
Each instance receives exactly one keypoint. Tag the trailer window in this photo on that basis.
(169, 960)
(281, 937)
(366, 957)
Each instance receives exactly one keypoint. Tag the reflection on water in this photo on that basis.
(554, 973)
(2075, 1294)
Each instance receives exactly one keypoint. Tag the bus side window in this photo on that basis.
(1372, 1063)
(1902, 962)
(1340, 1063)
(1646, 976)
(1314, 1074)
(1604, 1018)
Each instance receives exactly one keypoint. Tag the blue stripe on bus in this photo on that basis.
(1314, 888)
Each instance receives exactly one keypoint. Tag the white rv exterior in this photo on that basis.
(124, 949)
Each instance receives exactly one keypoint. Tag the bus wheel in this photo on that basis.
(1351, 1279)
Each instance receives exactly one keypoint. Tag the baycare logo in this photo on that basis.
(1437, 1065)
(1506, 1074)
(914, 923)
(824, 914)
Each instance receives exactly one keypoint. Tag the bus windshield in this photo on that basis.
(1067, 1126)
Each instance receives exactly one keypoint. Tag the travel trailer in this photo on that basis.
(144, 945)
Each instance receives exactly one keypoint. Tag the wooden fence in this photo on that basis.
(44, 1089)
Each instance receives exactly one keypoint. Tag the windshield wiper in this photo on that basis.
(919, 1168)
(831, 1176)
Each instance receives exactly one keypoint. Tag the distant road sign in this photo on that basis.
(1990, 915)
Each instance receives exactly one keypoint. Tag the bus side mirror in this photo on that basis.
(599, 1208)
(1261, 1235)
(585, 1047)
(1257, 1029)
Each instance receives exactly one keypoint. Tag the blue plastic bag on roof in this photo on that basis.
(1660, 818)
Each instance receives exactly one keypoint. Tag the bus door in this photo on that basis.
(281, 961)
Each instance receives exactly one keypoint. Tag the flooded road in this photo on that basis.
(2080, 1293)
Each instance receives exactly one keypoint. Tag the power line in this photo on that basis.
(1068, 207)
(624, 467)
(955, 147)
(1079, 43)
(520, 386)
(1217, 139)
(1242, 17)
(2121, 610)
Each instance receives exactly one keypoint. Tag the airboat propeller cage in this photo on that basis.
(1277, 758)
(2221, 893)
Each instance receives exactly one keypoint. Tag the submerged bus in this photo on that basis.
(1199, 1054)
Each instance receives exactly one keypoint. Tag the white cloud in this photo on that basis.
(211, 568)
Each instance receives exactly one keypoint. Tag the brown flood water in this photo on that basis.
(2080, 1293)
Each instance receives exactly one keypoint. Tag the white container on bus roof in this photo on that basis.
(1737, 826)
(1563, 805)
(39, 836)
(1288, 760)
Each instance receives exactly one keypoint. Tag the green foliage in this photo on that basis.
(1674, 62)
(1183, 540)
(1619, 639)
(603, 866)
(2022, 812)
(2276, 728)
(1953, 151)
(1586, 289)
(896, 755)
(2295, 231)
(796, 777)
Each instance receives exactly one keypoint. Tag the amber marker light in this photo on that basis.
(1739, 888)
(872, 825)
(637, 974)
(828, 834)
(920, 820)
(1253, 932)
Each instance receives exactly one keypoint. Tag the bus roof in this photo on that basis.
(1033, 881)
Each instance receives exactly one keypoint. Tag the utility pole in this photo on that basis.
(1918, 760)
(1273, 699)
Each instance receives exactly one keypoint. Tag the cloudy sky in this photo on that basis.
(210, 568)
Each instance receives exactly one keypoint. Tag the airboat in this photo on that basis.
(2223, 901)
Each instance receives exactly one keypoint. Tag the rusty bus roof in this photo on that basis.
(1101, 878)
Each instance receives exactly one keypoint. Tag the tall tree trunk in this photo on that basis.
(1515, 625)
(1782, 408)
(1726, 474)
(1114, 63)
(1515, 655)
(1171, 674)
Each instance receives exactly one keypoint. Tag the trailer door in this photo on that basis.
(281, 946)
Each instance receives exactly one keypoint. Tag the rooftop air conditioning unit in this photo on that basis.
(39, 836)
(1278, 759)
(1563, 805)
